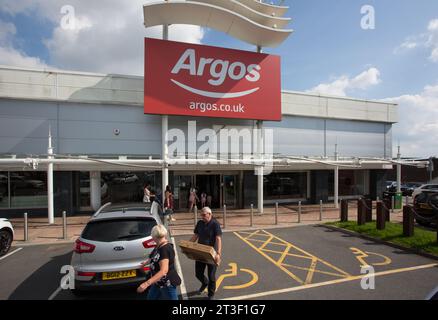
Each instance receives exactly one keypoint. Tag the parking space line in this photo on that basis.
(179, 270)
(285, 252)
(11, 253)
(332, 282)
(55, 293)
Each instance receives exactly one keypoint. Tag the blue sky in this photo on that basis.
(328, 52)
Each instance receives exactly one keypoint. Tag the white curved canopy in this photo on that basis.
(258, 31)
(238, 7)
(265, 8)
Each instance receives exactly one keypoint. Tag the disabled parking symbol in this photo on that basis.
(234, 271)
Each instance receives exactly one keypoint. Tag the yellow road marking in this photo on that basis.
(252, 233)
(311, 271)
(284, 253)
(321, 284)
(266, 242)
(233, 273)
(270, 259)
(361, 255)
(289, 254)
(316, 270)
(263, 241)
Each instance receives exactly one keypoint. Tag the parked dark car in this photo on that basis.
(426, 208)
(408, 188)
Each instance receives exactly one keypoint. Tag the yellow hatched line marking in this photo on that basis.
(284, 254)
(263, 241)
(288, 254)
(293, 276)
(314, 260)
(252, 234)
(316, 270)
(327, 283)
(266, 242)
(311, 271)
(311, 255)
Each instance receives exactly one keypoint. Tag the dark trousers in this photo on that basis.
(211, 282)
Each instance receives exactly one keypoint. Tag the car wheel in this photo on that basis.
(5, 241)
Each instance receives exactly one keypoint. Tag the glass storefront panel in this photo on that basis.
(351, 183)
(4, 190)
(230, 198)
(84, 191)
(28, 189)
(122, 187)
(285, 185)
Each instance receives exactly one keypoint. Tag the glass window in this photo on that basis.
(121, 187)
(351, 183)
(28, 189)
(118, 229)
(287, 185)
(4, 192)
(84, 190)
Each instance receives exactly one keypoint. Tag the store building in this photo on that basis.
(107, 149)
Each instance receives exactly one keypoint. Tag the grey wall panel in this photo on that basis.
(24, 146)
(388, 141)
(121, 147)
(89, 129)
(27, 109)
(355, 138)
(298, 136)
(105, 130)
(105, 113)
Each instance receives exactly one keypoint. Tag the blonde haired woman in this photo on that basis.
(165, 280)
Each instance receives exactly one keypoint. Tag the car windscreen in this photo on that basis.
(126, 229)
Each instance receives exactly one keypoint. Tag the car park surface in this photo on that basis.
(305, 262)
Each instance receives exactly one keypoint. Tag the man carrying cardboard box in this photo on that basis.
(208, 232)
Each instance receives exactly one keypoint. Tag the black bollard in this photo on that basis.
(408, 221)
(368, 210)
(360, 213)
(344, 210)
(381, 216)
(386, 208)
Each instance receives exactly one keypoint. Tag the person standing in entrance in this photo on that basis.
(193, 199)
(208, 232)
(147, 194)
(203, 199)
(168, 203)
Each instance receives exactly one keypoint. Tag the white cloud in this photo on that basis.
(340, 85)
(12, 56)
(108, 37)
(427, 40)
(417, 128)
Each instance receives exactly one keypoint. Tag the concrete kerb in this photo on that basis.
(380, 241)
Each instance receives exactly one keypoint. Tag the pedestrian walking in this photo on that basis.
(193, 199)
(168, 203)
(165, 279)
(208, 232)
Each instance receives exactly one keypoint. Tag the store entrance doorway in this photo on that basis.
(219, 188)
(210, 185)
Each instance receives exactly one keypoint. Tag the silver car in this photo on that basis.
(109, 252)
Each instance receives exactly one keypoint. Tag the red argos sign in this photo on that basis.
(196, 80)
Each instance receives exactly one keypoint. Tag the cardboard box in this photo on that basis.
(198, 252)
